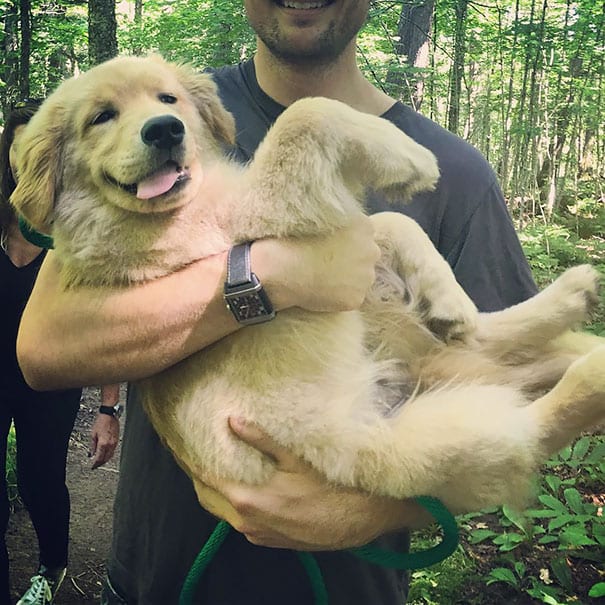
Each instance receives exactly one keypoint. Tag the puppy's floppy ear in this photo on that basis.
(205, 94)
(39, 168)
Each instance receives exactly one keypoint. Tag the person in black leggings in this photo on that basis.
(43, 420)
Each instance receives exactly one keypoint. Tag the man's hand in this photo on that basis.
(104, 437)
(327, 273)
(298, 509)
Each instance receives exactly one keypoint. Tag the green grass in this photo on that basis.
(441, 583)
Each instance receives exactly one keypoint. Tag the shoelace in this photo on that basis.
(39, 591)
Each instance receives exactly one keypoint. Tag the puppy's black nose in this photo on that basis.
(163, 132)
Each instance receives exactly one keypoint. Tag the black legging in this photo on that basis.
(43, 424)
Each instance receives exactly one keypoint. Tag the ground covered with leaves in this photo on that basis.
(553, 553)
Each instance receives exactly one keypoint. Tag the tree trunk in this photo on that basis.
(507, 101)
(25, 20)
(138, 11)
(413, 45)
(521, 167)
(102, 27)
(10, 48)
(457, 69)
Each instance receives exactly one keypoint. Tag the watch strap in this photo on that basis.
(238, 265)
(109, 410)
(112, 410)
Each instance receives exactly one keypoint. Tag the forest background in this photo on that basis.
(524, 82)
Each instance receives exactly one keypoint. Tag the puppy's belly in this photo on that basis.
(304, 378)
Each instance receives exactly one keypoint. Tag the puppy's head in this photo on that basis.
(133, 132)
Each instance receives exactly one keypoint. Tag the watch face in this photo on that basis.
(248, 306)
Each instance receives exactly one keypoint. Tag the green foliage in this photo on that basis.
(59, 44)
(563, 520)
(552, 247)
(217, 33)
(598, 590)
(441, 583)
(562, 526)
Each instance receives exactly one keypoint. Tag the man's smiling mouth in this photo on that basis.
(298, 5)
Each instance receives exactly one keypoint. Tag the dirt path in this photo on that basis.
(92, 495)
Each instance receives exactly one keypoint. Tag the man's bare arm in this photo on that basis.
(91, 336)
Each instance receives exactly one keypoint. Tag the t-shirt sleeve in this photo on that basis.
(487, 257)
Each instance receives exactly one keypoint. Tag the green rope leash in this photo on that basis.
(34, 237)
(425, 558)
(318, 585)
(202, 561)
(369, 553)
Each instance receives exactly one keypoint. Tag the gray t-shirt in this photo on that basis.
(159, 527)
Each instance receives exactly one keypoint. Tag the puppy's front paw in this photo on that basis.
(449, 313)
(407, 168)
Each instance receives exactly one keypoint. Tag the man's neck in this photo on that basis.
(341, 80)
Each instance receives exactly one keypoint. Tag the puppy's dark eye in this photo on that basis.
(104, 116)
(167, 98)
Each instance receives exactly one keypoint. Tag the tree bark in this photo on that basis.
(102, 28)
(412, 44)
(457, 69)
(25, 20)
(10, 48)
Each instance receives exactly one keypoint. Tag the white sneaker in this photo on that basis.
(43, 587)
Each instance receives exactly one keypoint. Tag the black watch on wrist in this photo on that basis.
(112, 410)
(243, 293)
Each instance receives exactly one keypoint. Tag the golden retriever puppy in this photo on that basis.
(416, 394)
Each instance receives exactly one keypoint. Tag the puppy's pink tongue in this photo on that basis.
(158, 183)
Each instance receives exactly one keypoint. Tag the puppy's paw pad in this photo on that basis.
(448, 330)
(450, 319)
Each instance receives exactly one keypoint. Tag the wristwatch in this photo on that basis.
(243, 293)
(112, 410)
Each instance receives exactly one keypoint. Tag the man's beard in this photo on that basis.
(327, 47)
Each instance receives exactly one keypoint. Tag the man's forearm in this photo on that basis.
(91, 336)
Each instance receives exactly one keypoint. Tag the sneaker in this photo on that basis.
(43, 587)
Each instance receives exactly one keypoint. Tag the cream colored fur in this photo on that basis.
(415, 394)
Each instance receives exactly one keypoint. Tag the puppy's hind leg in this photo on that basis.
(532, 324)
